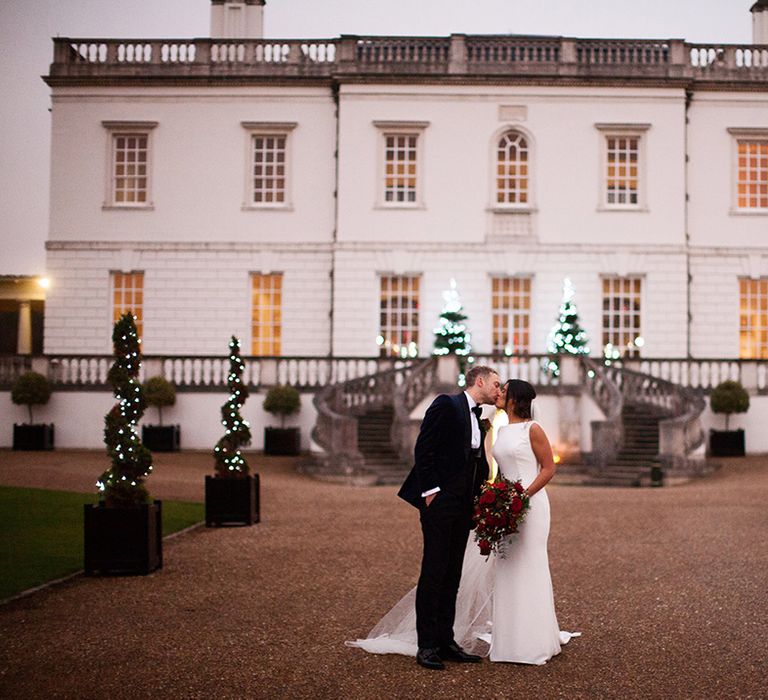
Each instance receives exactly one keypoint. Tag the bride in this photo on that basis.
(505, 607)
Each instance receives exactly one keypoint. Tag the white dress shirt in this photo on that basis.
(474, 423)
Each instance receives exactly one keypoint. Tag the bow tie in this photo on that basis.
(478, 411)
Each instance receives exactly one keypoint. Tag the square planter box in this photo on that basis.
(161, 438)
(33, 436)
(231, 501)
(282, 441)
(123, 540)
(726, 443)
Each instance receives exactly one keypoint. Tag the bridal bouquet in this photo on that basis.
(499, 510)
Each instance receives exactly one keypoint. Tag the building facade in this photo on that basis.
(315, 198)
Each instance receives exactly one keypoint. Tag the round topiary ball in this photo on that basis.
(31, 389)
(282, 401)
(729, 397)
(159, 392)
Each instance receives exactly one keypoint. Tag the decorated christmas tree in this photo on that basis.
(567, 335)
(229, 461)
(123, 483)
(452, 336)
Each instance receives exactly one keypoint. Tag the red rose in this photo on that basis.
(485, 547)
(517, 505)
(487, 498)
(502, 486)
(518, 487)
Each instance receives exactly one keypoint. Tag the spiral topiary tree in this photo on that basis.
(229, 461)
(122, 485)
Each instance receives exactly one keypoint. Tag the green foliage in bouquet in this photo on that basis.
(159, 392)
(31, 389)
(729, 397)
(282, 401)
(229, 461)
(123, 483)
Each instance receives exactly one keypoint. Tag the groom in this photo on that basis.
(450, 465)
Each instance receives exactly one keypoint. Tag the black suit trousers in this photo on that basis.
(445, 525)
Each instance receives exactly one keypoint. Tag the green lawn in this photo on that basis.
(41, 534)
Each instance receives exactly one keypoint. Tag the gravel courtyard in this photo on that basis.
(668, 587)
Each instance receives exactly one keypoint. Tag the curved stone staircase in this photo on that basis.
(651, 427)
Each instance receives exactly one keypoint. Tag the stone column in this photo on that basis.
(569, 398)
(24, 344)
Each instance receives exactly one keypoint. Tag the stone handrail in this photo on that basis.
(338, 406)
(423, 380)
(608, 434)
(680, 431)
(459, 54)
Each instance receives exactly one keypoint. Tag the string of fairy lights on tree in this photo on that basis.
(567, 335)
(229, 460)
(123, 483)
(452, 336)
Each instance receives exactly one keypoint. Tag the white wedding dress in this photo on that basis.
(505, 607)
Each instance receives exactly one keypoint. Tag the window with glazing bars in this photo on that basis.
(752, 180)
(400, 162)
(266, 314)
(512, 169)
(753, 318)
(269, 175)
(621, 314)
(511, 314)
(399, 316)
(130, 181)
(622, 174)
(128, 296)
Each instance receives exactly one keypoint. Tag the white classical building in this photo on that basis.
(316, 197)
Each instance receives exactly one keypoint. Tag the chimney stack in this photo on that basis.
(237, 19)
(760, 22)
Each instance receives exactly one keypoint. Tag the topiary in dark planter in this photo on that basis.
(232, 495)
(727, 398)
(123, 533)
(160, 393)
(32, 389)
(282, 401)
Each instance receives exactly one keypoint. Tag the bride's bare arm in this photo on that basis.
(543, 451)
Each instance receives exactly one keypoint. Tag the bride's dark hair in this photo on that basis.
(523, 394)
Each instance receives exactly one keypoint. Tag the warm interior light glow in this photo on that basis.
(556, 458)
(44, 282)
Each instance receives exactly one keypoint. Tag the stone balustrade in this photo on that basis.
(457, 55)
(196, 373)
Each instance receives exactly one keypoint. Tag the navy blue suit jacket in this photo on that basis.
(443, 452)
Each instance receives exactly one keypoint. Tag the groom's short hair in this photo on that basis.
(479, 371)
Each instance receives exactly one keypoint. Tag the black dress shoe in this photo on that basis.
(428, 658)
(453, 652)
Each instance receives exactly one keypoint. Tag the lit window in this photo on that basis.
(621, 316)
(266, 314)
(511, 314)
(401, 152)
(752, 174)
(622, 170)
(128, 297)
(512, 169)
(753, 318)
(400, 168)
(399, 317)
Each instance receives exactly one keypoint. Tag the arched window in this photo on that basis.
(512, 169)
